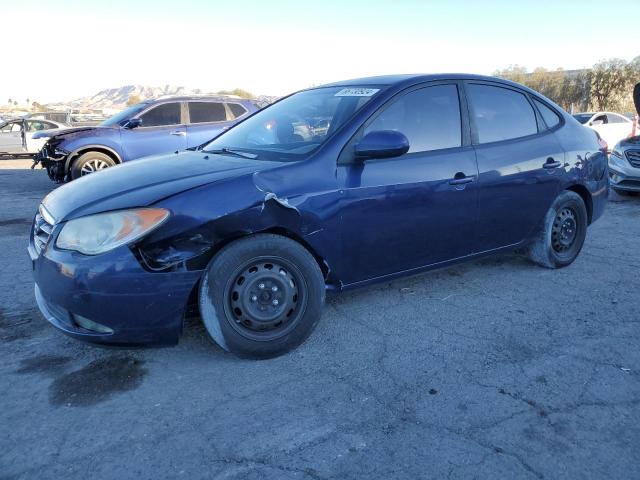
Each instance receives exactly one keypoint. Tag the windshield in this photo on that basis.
(294, 127)
(583, 117)
(126, 114)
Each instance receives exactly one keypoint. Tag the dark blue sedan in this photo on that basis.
(151, 127)
(331, 188)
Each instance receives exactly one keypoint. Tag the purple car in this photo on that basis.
(147, 128)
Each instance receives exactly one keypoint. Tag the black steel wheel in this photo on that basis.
(562, 233)
(265, 298)
(261, 296)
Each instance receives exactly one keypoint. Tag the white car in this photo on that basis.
(612, 127)
(16, 136)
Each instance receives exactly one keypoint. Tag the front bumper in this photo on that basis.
(56, 166)
(623, 175)
(130, 305)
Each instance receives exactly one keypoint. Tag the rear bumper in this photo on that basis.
(110, 299)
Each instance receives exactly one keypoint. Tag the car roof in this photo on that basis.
(416, 78)
(406, 80)
(184, 98)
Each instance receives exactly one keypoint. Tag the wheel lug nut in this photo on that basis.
(275, 302)
(274, 289)
(254, 298)
(261, 286)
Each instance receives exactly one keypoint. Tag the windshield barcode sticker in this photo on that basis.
(356, 92)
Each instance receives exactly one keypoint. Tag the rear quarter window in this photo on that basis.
(236, 109)
(500, 113)
(550, 117)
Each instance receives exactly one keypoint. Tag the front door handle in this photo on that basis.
(178, 133)
(551, 163)
(460, 179)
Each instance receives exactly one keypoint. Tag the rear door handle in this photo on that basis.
(460, 179)
(551, 163)
(178, 132)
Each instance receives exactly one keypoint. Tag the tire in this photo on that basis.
(261, 296)
(562, 233)
(90, 162)
(625, 193)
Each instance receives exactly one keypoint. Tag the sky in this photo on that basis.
(65, 49)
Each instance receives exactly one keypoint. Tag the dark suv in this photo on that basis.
(151, 127)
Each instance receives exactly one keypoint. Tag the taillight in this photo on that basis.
(604, 146)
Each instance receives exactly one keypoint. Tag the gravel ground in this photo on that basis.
(491, 369)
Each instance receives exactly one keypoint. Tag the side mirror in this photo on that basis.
(133, 123)
(382, 144)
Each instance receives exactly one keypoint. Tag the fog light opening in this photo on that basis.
(90, 324)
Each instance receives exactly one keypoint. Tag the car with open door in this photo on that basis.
(411, 173)
(18, 136)
(163, 125)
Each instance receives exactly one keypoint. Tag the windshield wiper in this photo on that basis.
(230, 151)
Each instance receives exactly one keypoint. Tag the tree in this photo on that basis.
(133, 99)
(10, 101)
(610, 80)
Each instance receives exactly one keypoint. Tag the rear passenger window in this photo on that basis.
(166, 114)
(429, 117)
(500, 113)
(202, 112)
(237, 109)
(550, 117)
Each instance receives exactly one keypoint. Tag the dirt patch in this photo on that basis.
(97, 382)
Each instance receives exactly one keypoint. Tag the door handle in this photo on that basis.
(178, 133)
(551, 163)
(460, 179)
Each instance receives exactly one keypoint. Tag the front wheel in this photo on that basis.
(261, 296)
(90, 162)
(562, 234)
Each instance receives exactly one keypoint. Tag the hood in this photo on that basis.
(142, 182)
(64, 131)
(630, 142)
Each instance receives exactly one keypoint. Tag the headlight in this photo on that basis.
(102, 232)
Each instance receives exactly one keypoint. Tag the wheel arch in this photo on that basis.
(586, 198)
(73, 156)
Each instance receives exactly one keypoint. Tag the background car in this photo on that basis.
(17, 135)
(624, 162)
(151, 127)
(612, 127)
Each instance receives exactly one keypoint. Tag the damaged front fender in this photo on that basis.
(221, 213)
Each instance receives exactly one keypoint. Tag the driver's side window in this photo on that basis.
(162, 115)
(428, 117)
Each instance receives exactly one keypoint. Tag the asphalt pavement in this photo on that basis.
(491, 369)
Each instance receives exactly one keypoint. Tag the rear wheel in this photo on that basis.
(261, 296)
(90, 162)
(562, 233)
